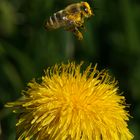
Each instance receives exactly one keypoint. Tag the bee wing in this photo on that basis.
(61, 18)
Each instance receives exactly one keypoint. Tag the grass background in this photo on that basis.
(111, 39)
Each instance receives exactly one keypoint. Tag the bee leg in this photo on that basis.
(72, 23)
(73, 27)
(78, 24)
(77, 33)
(83, 27)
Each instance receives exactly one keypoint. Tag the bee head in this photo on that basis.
(86, 10)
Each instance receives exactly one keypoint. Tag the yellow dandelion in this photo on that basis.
(72, 105)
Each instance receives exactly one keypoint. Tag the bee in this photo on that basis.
(71, 18)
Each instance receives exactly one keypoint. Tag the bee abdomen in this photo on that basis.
(55, 21)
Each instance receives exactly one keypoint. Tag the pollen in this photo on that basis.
(70, 103)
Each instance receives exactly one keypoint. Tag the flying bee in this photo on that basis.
(71, 18)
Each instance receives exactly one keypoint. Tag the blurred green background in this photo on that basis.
(111, 39)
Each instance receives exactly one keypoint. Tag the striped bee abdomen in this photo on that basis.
(55, 21)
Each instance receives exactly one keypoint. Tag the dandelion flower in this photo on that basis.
(72, 105)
